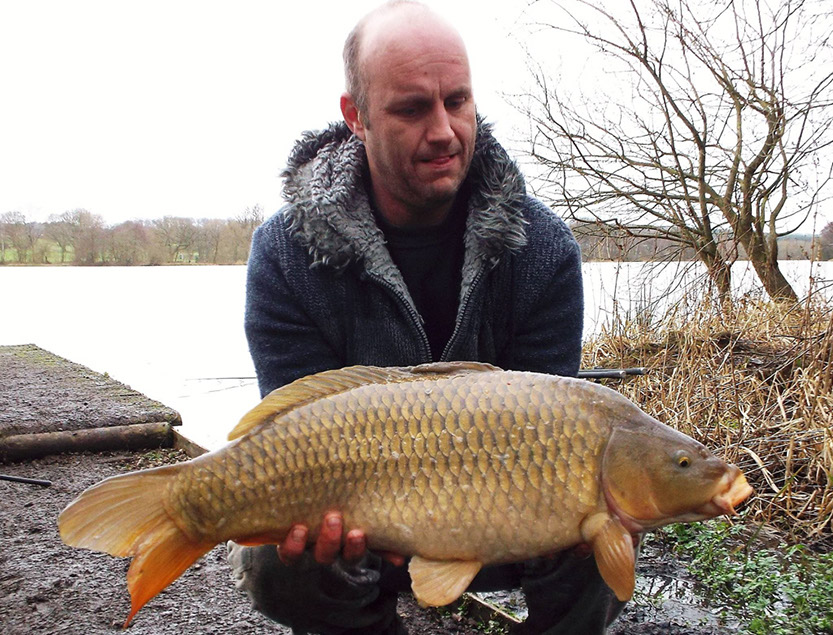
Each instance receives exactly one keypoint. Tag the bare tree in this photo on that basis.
(240, 232)
(4, 238)
(209, 239)
(714, 139)
(33, 231)
(88, 236)
(16, 233)
(128, 243)
(826, 242)
(61, 230)
(177, 234)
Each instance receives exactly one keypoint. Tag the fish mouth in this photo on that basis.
(733, 490)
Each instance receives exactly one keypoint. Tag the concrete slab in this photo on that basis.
(49, 404)
(43, 392)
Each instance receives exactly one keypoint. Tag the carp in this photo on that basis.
(456, 464)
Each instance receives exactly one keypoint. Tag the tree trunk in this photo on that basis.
(775, 284)
(719, 271)
(764, 259)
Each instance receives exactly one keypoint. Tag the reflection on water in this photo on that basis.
(666, 597)
(176, 333)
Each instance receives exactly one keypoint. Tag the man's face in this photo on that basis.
(420, 126)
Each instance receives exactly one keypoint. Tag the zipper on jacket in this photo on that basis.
(464, 305)
(416, 318)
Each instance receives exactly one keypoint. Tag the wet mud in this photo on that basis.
(666, 601)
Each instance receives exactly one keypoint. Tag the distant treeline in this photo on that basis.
(622, 245)
(82, 238)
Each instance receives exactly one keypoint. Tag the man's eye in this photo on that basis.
(455, 103)
(408, 111)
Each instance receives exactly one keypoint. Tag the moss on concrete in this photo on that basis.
(43, 392)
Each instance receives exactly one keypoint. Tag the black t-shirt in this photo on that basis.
(431, 262)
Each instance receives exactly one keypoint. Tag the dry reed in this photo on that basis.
(754, 383)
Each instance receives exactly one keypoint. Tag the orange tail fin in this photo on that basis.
(125, 516)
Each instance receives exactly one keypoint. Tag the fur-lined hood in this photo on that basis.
(330, 214)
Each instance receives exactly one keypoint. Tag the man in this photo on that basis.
(408, 237)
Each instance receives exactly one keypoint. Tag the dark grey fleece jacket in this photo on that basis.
(323, 292)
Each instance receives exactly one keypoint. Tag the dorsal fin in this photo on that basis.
(331, 382)
(310, 388)
(451, 368)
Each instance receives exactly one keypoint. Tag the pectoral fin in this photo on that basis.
(440, 582)
(613, 549)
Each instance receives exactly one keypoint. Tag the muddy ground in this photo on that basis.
(46, 587)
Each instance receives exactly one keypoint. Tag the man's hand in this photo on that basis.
(328, 545)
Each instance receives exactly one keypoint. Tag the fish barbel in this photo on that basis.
(458, 465)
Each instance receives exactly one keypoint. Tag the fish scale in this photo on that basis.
(497, 455)
(458, 465)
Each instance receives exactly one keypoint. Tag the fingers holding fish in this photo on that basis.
(396, 559)
(292, 548)
(355, 549)
(329, 544)
(355, 546)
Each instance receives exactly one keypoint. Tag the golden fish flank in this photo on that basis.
(382, 465)
(456, 464)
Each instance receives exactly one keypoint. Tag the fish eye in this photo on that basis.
(683, 459)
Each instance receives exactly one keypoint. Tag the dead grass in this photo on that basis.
(754, 383)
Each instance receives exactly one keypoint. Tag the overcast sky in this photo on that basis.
(141, 109)
(188, 108)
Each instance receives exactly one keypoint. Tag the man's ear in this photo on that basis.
(351, 115)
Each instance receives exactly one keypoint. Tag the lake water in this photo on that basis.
(176, 333)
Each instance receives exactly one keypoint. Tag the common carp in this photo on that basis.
(458, 465)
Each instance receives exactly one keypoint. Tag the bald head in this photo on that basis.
(393, 26)
(411, 105)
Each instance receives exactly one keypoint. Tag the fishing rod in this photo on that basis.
(611, 373)
(590, 373)
(22, 479)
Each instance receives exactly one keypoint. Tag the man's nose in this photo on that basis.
(439, 125)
